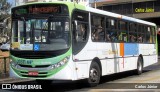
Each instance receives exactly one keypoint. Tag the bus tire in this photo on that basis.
(94, 75)
(139, 69)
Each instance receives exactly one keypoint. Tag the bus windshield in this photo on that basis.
(40, 34)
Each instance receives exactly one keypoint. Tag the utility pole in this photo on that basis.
(95, 3)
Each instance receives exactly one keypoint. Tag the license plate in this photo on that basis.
(33, 73)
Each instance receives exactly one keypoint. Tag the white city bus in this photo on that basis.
(67, 41)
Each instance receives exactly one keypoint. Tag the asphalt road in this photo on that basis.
(126, 81)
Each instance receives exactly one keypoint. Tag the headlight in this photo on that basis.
(61, 63)
(13, 64)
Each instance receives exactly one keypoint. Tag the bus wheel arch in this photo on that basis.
(94, 73)
(97, 60)
(140, 64)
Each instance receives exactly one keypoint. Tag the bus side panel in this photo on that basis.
(148, 52)
(127, 56)
(108, 53)
(130, 56)
(130, 63)
(100, 50)
(84, 58)
(110, 66)
(82, 69)
(152, 52)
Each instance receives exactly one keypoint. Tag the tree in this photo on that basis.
(4, 9)
(5, 21)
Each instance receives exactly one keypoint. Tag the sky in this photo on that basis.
(11, 2)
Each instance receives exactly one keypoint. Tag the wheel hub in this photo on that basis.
(93, 75)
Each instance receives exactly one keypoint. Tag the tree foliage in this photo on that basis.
(4, 9)
(5, 20)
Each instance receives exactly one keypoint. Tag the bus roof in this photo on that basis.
(90, 9)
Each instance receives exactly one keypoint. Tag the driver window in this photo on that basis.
(80, 29)
(80, 26)
(81, 32)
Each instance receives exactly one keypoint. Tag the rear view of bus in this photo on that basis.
(40, 41)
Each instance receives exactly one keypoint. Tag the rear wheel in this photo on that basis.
(94, 75)
(139, 69)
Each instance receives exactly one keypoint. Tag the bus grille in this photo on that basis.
(37, 66)
(35, 76)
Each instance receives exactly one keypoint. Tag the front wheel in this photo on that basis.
(94, 75)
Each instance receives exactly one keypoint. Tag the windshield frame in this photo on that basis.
(49, 17)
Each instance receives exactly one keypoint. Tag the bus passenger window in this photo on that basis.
(132, 38)
(153, 34)
(122, 37)
(114, 36)
(148, 36)
(140, 39)
(96, 34)
(125, 38)
(108, 37)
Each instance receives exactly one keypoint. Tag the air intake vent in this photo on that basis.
(37, 66)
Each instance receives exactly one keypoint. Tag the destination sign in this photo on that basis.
(50, 9)
(40, 9)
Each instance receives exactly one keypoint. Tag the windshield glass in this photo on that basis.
(40, 34)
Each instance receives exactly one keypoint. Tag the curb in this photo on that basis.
(14, 80)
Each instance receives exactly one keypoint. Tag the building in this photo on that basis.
(143, 9)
